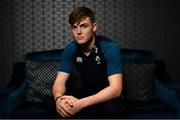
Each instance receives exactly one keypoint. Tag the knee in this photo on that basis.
(113, 109)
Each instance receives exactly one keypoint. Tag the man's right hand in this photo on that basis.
(64, 107)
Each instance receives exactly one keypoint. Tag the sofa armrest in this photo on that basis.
(178, 98)
(167, 93)
(14, 99)
(6, 91)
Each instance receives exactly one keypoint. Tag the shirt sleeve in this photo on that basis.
(66, 62)
(113, 59)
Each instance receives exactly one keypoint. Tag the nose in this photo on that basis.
(79, 30)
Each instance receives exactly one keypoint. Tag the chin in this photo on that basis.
(80, 42)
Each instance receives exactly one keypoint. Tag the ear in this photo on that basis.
(94, 27)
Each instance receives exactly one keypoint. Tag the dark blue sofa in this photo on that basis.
(164, 104)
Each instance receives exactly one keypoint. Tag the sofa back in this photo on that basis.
(129, 56)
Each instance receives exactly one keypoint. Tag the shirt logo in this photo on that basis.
(79, 59)
(96, 49)
(98, 60)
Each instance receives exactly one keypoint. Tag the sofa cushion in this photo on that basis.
(139, 81)
(40, 76)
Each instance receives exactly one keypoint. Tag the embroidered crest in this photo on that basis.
(98, 59)
(79, 59)
(96, 49)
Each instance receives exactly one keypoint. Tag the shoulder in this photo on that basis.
(107, 45)
(111, 51)
(70, 47)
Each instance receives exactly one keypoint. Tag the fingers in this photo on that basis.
(64, 108)
(70, 99)
(62, 113)
(70, 103)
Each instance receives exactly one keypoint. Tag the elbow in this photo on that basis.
(117, 93)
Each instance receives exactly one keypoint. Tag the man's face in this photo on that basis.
(83, 31)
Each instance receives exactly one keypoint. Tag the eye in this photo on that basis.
(73, 26)
(83, 26)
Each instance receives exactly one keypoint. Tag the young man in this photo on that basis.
(98, 61)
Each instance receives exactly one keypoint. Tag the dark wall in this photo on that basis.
(35, 25)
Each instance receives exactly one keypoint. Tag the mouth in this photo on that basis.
(79, 38)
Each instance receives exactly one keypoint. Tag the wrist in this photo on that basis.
(57, 98)
(84, 103)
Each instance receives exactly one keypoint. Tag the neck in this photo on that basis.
(89, 45)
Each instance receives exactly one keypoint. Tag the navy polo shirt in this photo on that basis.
(103, 61)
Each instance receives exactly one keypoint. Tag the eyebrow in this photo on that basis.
(79, 24)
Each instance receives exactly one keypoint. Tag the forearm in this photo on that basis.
(58, 90)
(59, 87)
(104, 95)
(112, 91)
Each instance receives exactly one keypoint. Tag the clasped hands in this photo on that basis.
(68, 106)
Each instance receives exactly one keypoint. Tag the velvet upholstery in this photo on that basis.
(14, 105)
